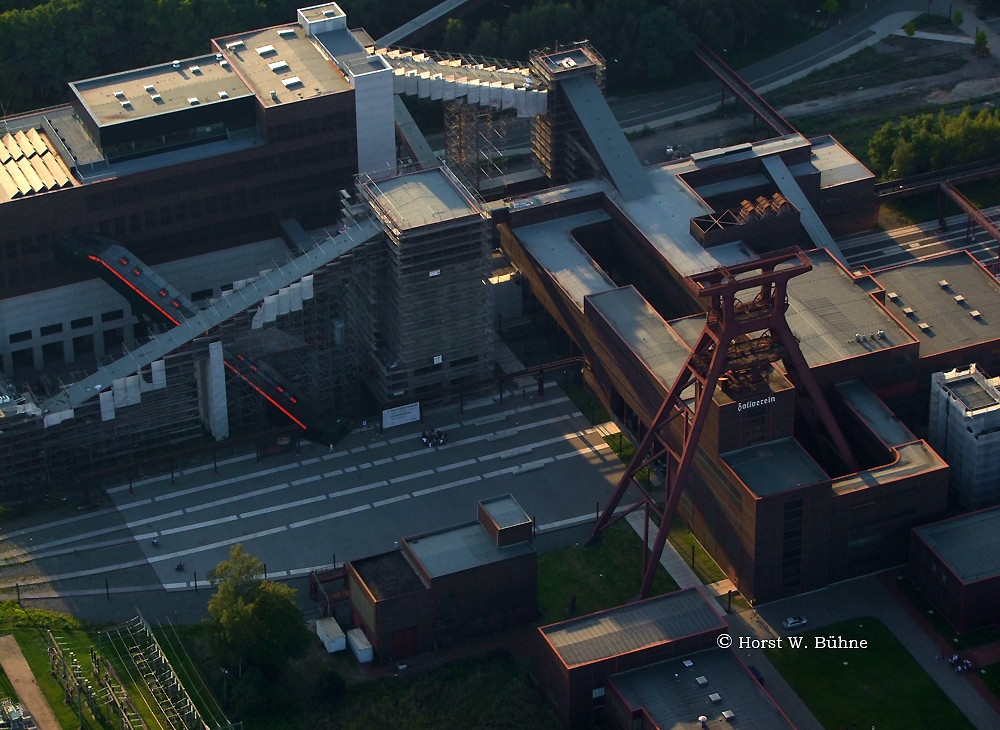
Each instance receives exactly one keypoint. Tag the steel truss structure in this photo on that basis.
(736, 347)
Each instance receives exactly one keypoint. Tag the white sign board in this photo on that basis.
(401, 414)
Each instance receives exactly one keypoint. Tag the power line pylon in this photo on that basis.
(725, 349)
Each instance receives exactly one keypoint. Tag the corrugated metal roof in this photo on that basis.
(631, 627)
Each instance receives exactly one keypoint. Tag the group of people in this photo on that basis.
(960, 664)
(437, 437)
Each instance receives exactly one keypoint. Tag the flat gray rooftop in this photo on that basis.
(460, 548)
(343, 46)
(969, 545)
(271, 59)
(670, 693)
(774, 467)
(631, 627)
(664, 219)
(505, 511)
(876, 415)
(553, 246)
(835, 165)
(914, 458)
(827, 309)
(421, 198)
(170, 89)
(951, 323)
(643, 331)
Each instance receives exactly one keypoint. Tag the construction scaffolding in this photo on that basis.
(556, 139)
(429, 312)
(150, 413)
(474, 136)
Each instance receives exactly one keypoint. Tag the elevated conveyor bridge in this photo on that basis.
(198, 322)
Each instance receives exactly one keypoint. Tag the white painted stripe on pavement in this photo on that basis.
(279, 507)
(414, 475)
(450, 485)
(355, 490)
(390, 500)
(334, 473)
(237, 498)
(207, 523)
(154, 518)
(331, 516)
(306, 480)
(456, 465)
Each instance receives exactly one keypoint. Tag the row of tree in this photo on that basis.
(46, 43)
(928, 142)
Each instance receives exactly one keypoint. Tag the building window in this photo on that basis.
(22, 359)
(83, 345)
(53, 353)
(20, 337)
(51, 329)
(112, 316)
(82, 322)
(113, 339)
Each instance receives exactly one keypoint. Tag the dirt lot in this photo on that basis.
(975, 79)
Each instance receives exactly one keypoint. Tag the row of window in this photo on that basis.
(54, 329)
(54, 352)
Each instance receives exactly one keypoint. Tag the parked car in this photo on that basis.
(794, 622)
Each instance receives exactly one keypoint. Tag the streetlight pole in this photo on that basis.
(225, 695)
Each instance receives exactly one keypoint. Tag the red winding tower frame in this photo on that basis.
(725, 349)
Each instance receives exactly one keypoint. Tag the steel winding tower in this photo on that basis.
(736, 348)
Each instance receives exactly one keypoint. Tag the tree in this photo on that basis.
(981, 43)
(251, 620)
(910, 29)
(830, 7)
(957, 18)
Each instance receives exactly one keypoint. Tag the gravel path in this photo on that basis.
(28, 692)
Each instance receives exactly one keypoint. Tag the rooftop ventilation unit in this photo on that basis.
(908, 311)
(224, 63)
(286, 33)
(278, 66)
(223, 94)
(195, 69)
(294, 81)
(175, 63)
(265, 50)
(149, 88)
(274, 94)
(218, 56)
(126, 104)
(329, 13)
(893, 295)
(156, 97)
(975, 314)
(924, 326)
(234, 45)
(119, 94)
(193, 100)
(959, 299)
(943, 283)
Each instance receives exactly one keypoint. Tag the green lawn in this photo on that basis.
(879, 686)
(601, 575)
